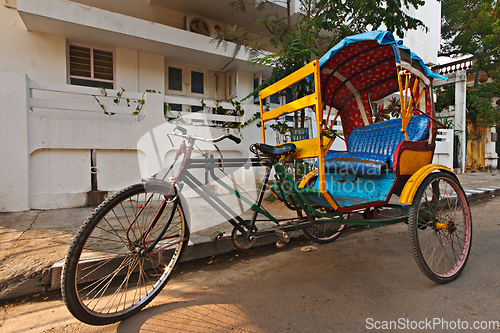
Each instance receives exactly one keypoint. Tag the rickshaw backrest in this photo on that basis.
(383, 138)
(371, 148)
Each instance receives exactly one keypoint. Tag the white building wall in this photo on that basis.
(127, 69)
(40, 56)
(151, 72)
(426, 44)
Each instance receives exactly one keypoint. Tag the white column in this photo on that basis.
(14, 156)
(460, 116)
(490, 154)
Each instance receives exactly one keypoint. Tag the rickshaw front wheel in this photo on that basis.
(440, 227)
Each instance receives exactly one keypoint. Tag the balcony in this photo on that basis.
(86, 24)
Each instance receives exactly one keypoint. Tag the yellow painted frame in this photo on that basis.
(407, 103)
(418, 177)
(410, 161)
(315, 147)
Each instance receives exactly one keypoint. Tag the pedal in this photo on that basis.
(216, 236)
(283, 238)
(282, 235)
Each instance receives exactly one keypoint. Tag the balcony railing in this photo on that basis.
(59, 99)
(90, 102)
(455, 66)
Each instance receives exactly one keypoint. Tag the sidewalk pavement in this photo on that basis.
(33, 244)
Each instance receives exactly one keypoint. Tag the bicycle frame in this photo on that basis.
(247, 228)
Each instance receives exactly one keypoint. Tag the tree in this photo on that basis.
(472, 27)
(319, 25)
(479, 103)
(480, 108)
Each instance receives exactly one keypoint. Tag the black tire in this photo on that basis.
(324, 233)
(440, 227)
(107, 277)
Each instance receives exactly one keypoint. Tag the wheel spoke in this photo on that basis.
(96, 284)
(114, 276)
(109, 300)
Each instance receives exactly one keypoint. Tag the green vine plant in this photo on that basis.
(447, 121)
(226, 126)
(119, 95)
(237, 110)
(283, 129)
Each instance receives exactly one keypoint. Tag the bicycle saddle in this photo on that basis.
(276, 150)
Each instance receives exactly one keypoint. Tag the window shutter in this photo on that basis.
(79, 61)
(103, 65)
(90, 67)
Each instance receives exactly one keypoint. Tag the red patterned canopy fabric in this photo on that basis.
(360, 73)
(364, 68)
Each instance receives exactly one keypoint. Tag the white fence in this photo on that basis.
(444, 148)
(58, 139)
(207, 113)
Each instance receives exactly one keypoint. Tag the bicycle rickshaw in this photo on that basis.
(125, 252)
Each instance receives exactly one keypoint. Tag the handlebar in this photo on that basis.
(182, 132)
(230, 137)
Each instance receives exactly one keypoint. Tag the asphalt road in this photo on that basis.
(361, 282)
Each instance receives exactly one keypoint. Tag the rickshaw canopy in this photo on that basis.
(364, 68)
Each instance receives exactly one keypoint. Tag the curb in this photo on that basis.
(482, 193)
(50, 279)
(193, 252)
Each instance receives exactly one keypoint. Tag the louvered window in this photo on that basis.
(90, 67)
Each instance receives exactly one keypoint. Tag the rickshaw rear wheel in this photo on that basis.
(440, 227)
(324, 233)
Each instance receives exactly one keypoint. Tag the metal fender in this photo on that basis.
(164, 187)
(417, 178)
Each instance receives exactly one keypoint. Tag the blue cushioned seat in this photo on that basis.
(368, 164)
(371, 148)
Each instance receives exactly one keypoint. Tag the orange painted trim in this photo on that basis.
(329, 198)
